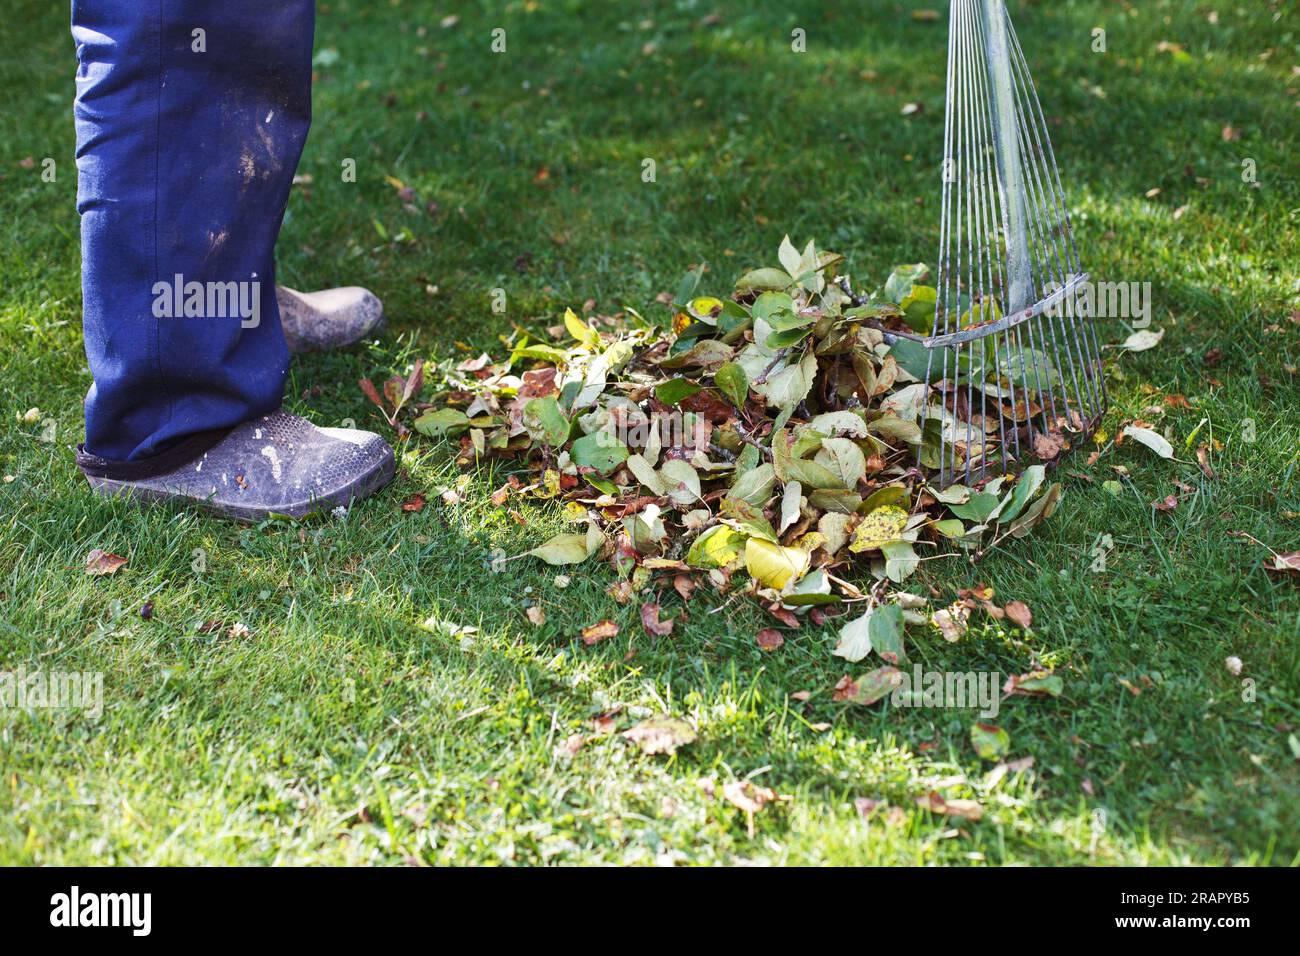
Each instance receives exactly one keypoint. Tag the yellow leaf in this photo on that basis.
(706, 308)
(880, 527)
(715, 548)
(579, 329)
(772, 565)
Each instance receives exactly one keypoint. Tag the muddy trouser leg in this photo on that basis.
(190, 119)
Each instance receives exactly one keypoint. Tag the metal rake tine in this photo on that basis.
(1004, 203)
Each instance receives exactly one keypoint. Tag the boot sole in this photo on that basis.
(362, 487)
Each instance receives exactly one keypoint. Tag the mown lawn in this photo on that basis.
(341, 731)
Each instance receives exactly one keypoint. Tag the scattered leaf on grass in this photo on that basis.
(769, 639)
(869, 688)
(749, 797)
(1143, 340)
(879, 629)
(598, 632)
(661, 735)
(962, 809)
(1019, 612)
(952, 621)
(569, 548)
(99, 563)
(1287, 563)
(991, 743)
(1153, 440)
(1036, 683)
(651, 622)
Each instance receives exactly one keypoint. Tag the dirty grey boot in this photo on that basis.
(329, 319)
(278, 464)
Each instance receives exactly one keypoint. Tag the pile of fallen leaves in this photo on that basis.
(779, 443)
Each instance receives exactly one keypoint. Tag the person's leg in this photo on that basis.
(190, 118)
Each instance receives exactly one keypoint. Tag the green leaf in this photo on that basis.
(545, 422)
(544, 353)
(991, 743)
(977, 508)
(913, 357)
(813, 590)
(949, 528)
(645, 473)
(760, 280)
(787, 338)
(1038, 512)
(676, 390)
(844, 459)
(879, 629)
(900, 282)
(918, 308)
(1038, 683)
(900, 560)
(755, 486)
(569, 548)
(746, 518)
(896, 430)
(888, 495)
(733, 383)
(788, 468)
(690, 282)
(599, 450)
(443, 421)
(874, 686)
(835, 500)
(769, 304)
(789, 385)
(1153, 440)
(681, 482)
(1016, 499)
(887, 634)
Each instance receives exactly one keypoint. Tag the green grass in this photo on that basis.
(342, 732)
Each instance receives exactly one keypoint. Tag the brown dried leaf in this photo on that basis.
(1019, 612)
(1203, 459)
(99, 563)
(651, 622)
(962, 809)
(598, 632)
(368, 388)
(1048, 446)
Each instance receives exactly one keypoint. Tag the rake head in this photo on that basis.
(1013, 363)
